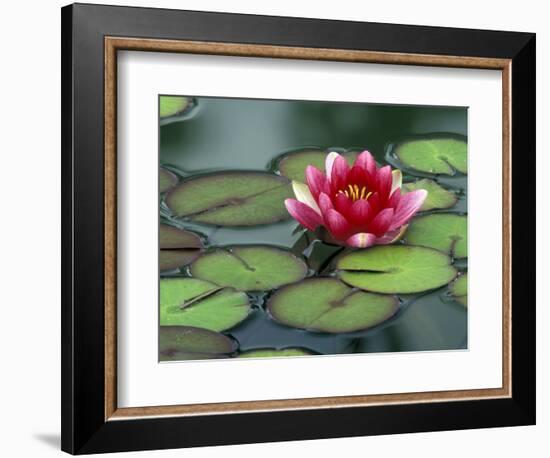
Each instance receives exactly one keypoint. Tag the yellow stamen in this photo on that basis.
(355, 193)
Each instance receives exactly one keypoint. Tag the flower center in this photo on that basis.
(355, 192)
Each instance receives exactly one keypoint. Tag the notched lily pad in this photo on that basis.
(434, 155)
(328, 305)
(174, 259)
(198, 303)
(443, 231)
(179, 343)
(274, 353)
(293, 165)
(249, 268)
(396, 269)
(459, 289)
(167, 180)
(172, 105)
(438, 197)
(172, 238)
(232, 198)
(177, 247)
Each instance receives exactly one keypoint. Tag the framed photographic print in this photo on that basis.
(274, 221)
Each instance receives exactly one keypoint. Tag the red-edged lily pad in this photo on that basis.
(459, 289)
(249, 268)
(435, 155)
(293, 165)
(438, 197)
(446, 232)
(198, 303)
(328, 305)
(274, 353)
(232, 198)
(167, 180)
(177, 247)
(396, 269)
(179, 343)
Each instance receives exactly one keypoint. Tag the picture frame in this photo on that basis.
(92, 35)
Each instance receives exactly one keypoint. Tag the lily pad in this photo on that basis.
(249, 268)
(273, 353)
(396, 269)
(172, 105)
(198, 303)
(232, 198)
(178, 343)
(174, 259)
(178, 247)
(293, 165)
(434, 155)
(172, 237)
(443, 231)
(328, 305)
(459, 289)
(438, 197)
(167, 180)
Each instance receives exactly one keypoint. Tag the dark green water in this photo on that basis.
(229, 134)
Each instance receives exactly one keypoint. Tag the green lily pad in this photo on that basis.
(249, 268)
(328, 305)
(396, 269)
(232, 198)
(443, 231)
(177, 247)
(438, 197)
(167, 180)
(293, 165)
(434, 155)
(172, 237)
(198, 303)
(459, 289)
(273, 353)
(174, 259)
(172, 105)
(178, 343)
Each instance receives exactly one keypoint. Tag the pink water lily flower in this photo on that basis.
(360, 205)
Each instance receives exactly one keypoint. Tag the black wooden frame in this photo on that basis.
(84, 429)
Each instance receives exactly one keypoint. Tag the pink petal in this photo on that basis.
(384, 182)
(316, 181)
(325, 204)
(381, 222)
(303, 194)
(329, 161)
(337, 225)
(305, 215)
(339, 176)
(391, 236)
(361, 240)
(357, 175)
(360, 213)
(343, 204)
(374, 202)
(408, 205)
(397, 179)
(366, 162)
(393, 202)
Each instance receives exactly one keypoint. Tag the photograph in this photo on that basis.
(292, 228)
(273, 220)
